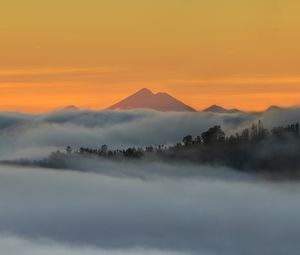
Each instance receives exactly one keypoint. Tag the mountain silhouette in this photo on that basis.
(219, 109)
(69, 108)
(274, 108)
(146, 99)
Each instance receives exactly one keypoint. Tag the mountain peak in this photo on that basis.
(146, 99)
(142, 94)
(68, 108)
(145, 91)
(71, 108)
(274, 108)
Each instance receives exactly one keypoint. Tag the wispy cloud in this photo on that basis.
(293, 79)
(63, 70)
(52, 73)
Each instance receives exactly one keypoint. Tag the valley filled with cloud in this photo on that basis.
(35, 136)
(138, 207)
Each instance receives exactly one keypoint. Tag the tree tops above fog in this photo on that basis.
(214, 136)
(252, 149)
(256, 133)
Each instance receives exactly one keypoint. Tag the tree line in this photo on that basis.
(252, 149)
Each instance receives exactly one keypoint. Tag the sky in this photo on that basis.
(93, 53)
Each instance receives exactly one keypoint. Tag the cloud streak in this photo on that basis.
(15, 245)
(31, 74)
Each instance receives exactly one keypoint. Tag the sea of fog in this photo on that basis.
(149, 208)
(45, 211)
(35, 136)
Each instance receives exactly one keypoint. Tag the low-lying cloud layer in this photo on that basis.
(143, 207)
(34, 136)
(62, 212)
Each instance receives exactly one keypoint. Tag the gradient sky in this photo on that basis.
(92, 53)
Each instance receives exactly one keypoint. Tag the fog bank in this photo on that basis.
(190, 215)
(35, 136)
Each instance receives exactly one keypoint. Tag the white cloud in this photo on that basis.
(191, 215)
(165, 209)
(34, 136)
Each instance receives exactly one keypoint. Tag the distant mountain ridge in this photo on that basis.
(146, 99)
(68, 108)
(274, 108)
(71, 108)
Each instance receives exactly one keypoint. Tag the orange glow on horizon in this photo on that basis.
(38, 98)
(237, 54)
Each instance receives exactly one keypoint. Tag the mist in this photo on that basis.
(133, 207)
(35, 136)
(203, 214)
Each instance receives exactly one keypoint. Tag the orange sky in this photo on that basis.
(93, 53)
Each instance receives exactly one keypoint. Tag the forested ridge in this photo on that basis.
(254, 149)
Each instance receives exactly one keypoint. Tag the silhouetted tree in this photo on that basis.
(213, 135)
(149, 149)
(245, 136)
(69, 149)
(104, 149)
(198, 140)
(187, 140)
(288, 131)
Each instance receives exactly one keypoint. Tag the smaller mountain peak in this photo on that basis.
(219, 109)
(71, 108)
(215, 108)
(68, 108)
(274, 108)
